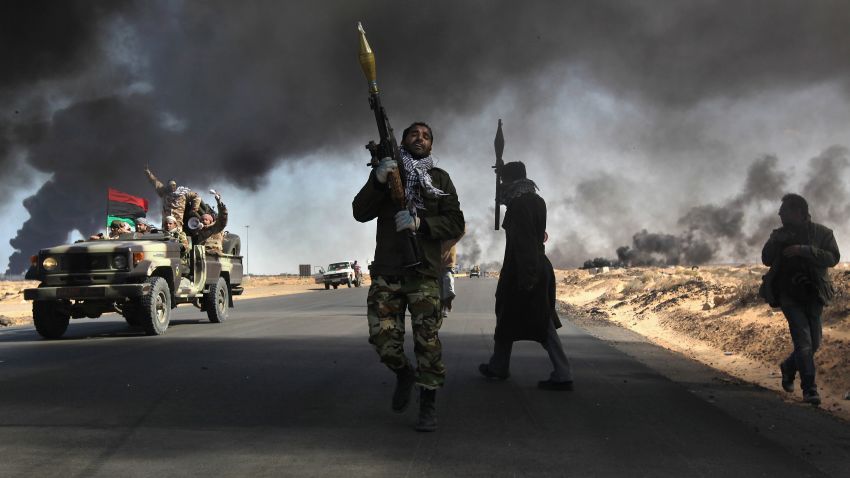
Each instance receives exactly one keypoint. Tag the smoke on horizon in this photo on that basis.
(712, 233)
(224, 92)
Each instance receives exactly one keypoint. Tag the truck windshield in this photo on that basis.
(338, 266)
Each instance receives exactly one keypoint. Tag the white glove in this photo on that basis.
(384, 168)
(405, 220)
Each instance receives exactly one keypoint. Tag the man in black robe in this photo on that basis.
(525, 295)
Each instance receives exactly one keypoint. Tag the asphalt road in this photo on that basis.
(289, 386)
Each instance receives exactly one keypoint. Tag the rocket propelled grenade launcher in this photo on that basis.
(387, 147)
(499, 144)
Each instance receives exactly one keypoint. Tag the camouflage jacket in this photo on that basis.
(441, 220)
(182, 239)
(212, 236)
(174, 203)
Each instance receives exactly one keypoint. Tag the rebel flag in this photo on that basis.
(125, 207)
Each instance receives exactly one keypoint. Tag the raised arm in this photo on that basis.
(157, 184)
(221, 220)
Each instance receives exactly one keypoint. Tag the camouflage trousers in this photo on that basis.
(387, 301)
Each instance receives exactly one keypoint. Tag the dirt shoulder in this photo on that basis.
(714, 315)
(14, 309)
(270, 286)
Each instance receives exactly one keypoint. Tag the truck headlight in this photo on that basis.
(50, 264)
(119, 262)
(138, 257)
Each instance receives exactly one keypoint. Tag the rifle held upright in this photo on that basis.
(387, 147)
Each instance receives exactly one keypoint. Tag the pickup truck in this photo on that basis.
(139, 276)
(340, 273)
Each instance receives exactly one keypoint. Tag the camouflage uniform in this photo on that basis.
(174, 203)
(212, 236)
(386, 304)
(183, 240)
(395, 288)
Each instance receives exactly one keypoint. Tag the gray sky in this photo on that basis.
(631, 116)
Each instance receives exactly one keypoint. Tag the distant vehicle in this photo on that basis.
(340, 273)
(475, 272)
(137, 275)
(319, 277)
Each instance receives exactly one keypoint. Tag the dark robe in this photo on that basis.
(525, 295)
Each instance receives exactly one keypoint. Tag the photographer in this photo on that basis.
(799, 254)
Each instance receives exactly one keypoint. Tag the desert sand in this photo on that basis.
(714, 315)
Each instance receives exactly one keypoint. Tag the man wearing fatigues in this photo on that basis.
(175, 200)
(175, 232)
(432, 196)
(211, 232)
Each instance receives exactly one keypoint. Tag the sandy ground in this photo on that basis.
(270, 286)
(13, 308)
(714, 315)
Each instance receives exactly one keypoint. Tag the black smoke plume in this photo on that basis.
(712, 232)
(226, 90)
(470, 251)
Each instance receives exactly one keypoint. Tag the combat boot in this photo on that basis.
(405, 378)
(811, 396)
(427, 421)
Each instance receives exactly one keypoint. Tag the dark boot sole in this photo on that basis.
(426, 429)
(815, 402)
(484, 370)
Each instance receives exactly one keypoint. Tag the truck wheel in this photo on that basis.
(133, 314)
(156, 307)
(348, 282)
(50, 320)
(217, 300)
(336, 286)
(327, 286)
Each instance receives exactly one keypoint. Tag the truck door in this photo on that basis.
(199, 269)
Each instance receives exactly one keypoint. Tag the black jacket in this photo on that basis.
(820, 252)
(441, 220)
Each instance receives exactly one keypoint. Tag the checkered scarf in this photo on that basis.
(181, 191)
(516, 189)
(417, 175)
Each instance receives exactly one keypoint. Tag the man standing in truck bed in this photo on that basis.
(174, 199)
(211, 232)
(396, 288)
